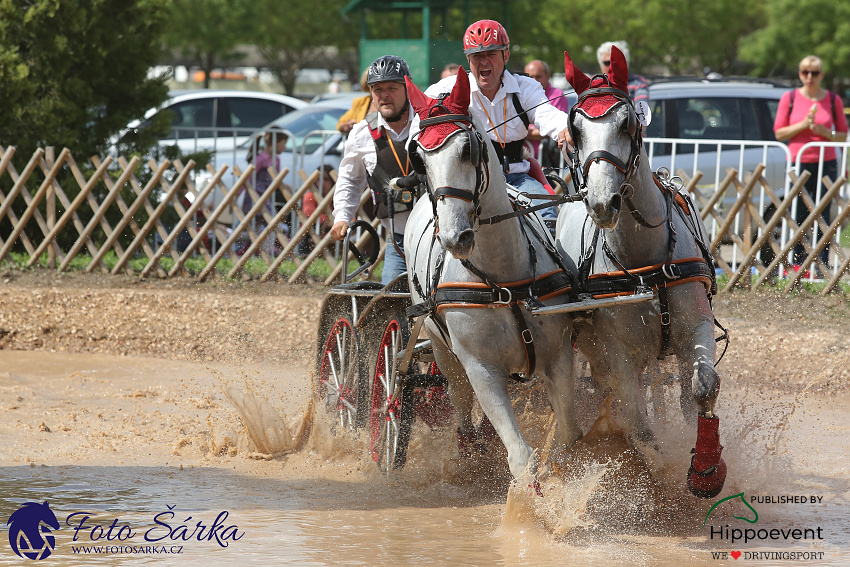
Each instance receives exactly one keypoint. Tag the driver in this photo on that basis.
(498, 100)
(375, 153)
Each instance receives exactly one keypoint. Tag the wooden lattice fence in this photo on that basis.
(35, 210)
(222, 227)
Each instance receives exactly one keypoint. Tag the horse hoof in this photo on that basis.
(708, 483)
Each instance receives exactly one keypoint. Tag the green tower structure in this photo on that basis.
(438, 43)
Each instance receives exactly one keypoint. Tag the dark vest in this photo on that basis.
(388, 203)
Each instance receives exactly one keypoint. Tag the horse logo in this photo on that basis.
(26, 526)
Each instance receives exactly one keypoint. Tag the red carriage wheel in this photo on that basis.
(340, 385)
(391, 415)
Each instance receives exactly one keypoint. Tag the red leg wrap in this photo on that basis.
(708, 471)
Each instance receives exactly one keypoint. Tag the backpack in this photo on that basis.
(832, 96)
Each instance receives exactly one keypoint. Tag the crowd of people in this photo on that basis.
(521, 110)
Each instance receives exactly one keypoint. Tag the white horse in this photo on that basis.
(658, 246)
(478, 329)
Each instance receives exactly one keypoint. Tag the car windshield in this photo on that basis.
(302, 122)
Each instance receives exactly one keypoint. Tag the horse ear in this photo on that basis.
(618, 73)
(459, 97)
(575, 77)
(418, 100)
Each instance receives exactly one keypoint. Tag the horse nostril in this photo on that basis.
(616, 204)
(466, 239)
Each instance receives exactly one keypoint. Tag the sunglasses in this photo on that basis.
(606, 63)
(812, 73)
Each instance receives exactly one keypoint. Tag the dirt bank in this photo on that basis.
(788, 342)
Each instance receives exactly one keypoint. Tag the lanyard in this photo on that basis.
(505, 123)
(404, 168)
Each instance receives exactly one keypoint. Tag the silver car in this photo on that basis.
(214, 120)
(692, 120)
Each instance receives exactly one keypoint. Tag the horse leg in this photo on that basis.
(686, 396)
(559, 381)
(459, 389)
(618, 366)
(491, 389)
(707, 472)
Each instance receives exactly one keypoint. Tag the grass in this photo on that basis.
(319, 269)
(778, 285)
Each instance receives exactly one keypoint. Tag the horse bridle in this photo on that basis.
(477, 154)
(628, 168)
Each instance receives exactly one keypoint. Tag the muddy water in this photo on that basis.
(134, 441)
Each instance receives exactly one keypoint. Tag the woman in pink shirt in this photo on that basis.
(811, 114)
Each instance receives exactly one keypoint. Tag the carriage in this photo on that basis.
(492, 293)
(375, 372)
(372, 369)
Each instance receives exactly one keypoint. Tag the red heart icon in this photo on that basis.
(736, 554)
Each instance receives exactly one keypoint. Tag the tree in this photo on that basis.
(72, 74)
(682, 37)
(796, 29)
(209, 32)
(291, 35)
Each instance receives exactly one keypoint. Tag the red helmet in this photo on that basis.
(485, 35)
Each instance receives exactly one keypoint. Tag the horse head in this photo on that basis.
(605, 130)
(454, 155)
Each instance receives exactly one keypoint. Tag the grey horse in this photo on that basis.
(656, 246)
(470, 273)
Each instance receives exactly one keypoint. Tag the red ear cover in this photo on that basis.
(575, 77)
(417, 98)
(618, 72)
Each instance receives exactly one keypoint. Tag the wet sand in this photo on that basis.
(127, 437)
(202, 423)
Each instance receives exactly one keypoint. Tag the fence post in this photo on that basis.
(49, 158)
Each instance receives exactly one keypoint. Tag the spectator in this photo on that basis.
(273, 143)
(360, 107)
(638, 88)
(334, 87)
(309, 203)
(811, 114)
(549, 157)
(449, 70)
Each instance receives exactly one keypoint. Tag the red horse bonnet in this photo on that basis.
(617, 77)
(457, 102)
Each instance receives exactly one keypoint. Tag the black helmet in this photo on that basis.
(387, 68)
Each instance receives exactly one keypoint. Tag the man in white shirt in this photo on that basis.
(506, 103)
(375, 153)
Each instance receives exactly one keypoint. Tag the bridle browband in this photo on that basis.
(579, 169)
(477, 155)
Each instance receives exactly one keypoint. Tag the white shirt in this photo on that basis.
(358, 162)
(548, 119)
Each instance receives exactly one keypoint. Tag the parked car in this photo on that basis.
(313, 141)
(214, 120)
(735, 116)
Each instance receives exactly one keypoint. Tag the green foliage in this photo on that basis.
(795, 29)
(682, 36)
(208, 32)
(319, 269)
(292, 35)
(74, 73)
